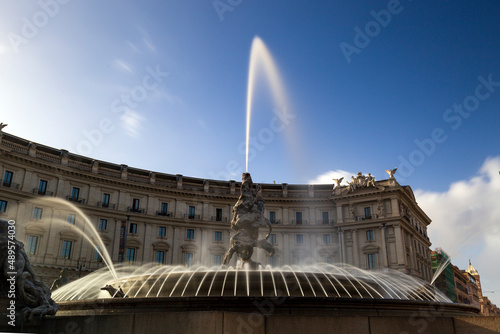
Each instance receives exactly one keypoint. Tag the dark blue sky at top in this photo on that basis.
(359, 116)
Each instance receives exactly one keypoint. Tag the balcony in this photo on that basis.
(366, 217)
(275, 222)
(11, 185)
(299, 222)
(218, 219)
(136, 210)
(106, 205)
(194, 217)
(164, 213)
(37, 191)
(324, 222)
(75, 199)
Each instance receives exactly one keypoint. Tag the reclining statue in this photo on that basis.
(32, 297)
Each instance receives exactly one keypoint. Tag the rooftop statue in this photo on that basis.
(391, 172)
(248, 217)
(33, 297)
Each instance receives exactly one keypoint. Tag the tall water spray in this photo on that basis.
(98, 245)
(261, 61)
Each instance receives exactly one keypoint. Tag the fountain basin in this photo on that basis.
(319, 280)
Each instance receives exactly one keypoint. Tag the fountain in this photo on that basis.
(136, 299)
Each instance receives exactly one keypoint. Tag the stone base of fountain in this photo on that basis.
(265, 315)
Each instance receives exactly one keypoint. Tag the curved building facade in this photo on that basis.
(181, 220)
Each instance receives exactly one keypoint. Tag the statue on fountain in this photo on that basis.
(248, 217)
(32, 297)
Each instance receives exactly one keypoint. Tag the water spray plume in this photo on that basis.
(100, 246)
(261, 60)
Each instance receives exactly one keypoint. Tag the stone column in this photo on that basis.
(122, 204)
(340, 213)
(147, 244)
(286, 248)
(60, 191)
(400, 247)
(27, 182)
(395, 207)
(355, 251)
(384, 254)
(203, 246)
(175, 246)
(150, 205)
(205, 214)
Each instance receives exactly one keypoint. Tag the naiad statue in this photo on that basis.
(248, 217)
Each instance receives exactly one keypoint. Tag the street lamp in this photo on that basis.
(80, 264)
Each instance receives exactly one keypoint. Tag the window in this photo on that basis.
(66, 249)
(272, 238)
(299, 238)
(103, 224)
(130, 255)
(75, 193)
(163, 207)
(326, 218)
(272, 217)
(71, 218)
(97, 255)
(7, 178)
(272, 261)
(162, 231)
(368, 213)
(189, 234)
(188, 259)
(372, 263)
(37, 213)
(191, 212)
(3, 206)
(135, 204)
(105, 200)
(217, 260)
(369, 235)
(42, 187)
(218, 236)
(32, 242)
(326, 239)
(298, 217)
(133, 228)
(218, 215)
(160, 257)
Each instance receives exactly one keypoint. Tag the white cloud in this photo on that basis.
(122, 66)
(327, 178)
(131, 122)
(466, 221)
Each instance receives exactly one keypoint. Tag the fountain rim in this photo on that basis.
(325, 306)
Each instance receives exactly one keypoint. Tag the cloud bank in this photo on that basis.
(327, 178)
(466, 222)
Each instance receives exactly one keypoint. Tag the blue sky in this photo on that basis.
(67, 68)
